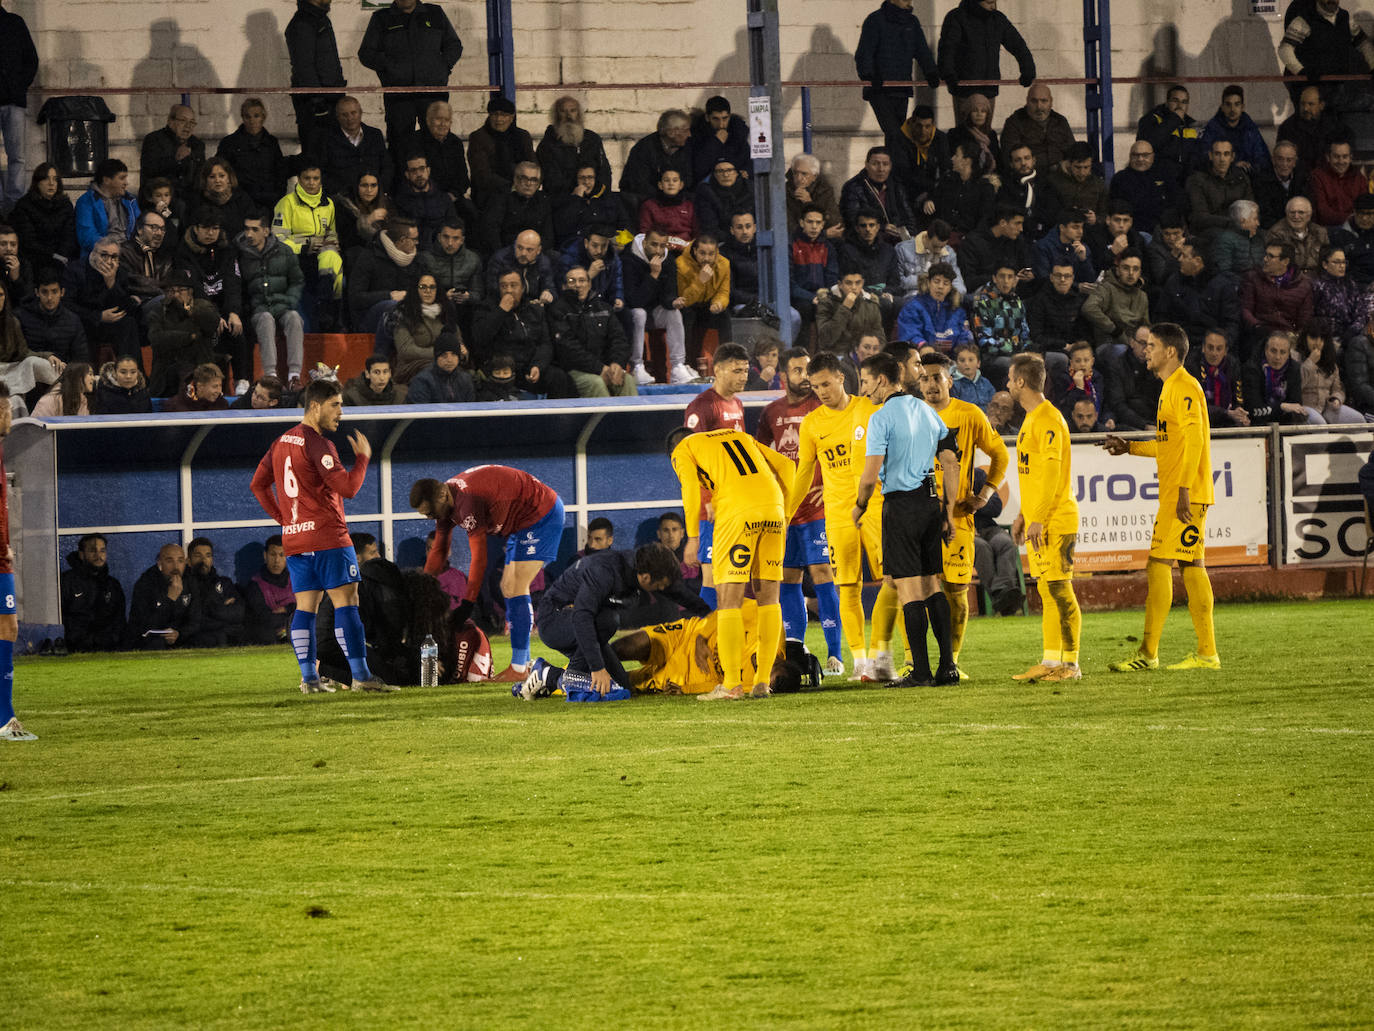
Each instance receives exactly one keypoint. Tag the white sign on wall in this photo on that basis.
(760, 127)
(1323, 510)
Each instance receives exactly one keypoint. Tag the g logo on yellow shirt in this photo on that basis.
(741, 556)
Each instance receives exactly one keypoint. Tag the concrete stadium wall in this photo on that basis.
(113, 43)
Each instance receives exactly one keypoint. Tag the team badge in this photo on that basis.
(469, 523)
(692, 421)
(327, 461)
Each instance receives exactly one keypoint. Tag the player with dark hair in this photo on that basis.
(505, 502)
(600, 535)
(904, 441)
(311, 483)
(1048, 519)
(780, 428)
(1182, 451)
(749, 483)
(974, 433)
(717, 408)
(10, 727)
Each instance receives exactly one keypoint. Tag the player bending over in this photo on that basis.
(1182, 451)
(310, 484)
(506, 502)
(749, 482)
(1048, 519)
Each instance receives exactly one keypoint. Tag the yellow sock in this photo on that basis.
(730, 642)
(957, 595)
(769, 640)
(1049, 623)
(1199, 587)
(1157, 603)
(884, 617)
(852, 619)
(906, 644)
(1070, 619)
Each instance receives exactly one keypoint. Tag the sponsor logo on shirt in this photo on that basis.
(288, 438)
(469, 523)
(304, 527)
(692, 421)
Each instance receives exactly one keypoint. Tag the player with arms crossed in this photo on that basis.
(1182, 451)
(904, 441)
(311, 483)
(12, 729)
(780, 428)
(506, 502)
(717, 408)
(1048, 520)
(973, 433)
(749, 482)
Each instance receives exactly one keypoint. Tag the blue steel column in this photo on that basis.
(500, 49)
(770, 196)
(1097, 68)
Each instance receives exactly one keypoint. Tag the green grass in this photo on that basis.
(194, 844)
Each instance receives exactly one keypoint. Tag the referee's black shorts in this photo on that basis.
(912, 533)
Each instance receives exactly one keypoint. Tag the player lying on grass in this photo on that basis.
(506, 502)
(677, 658)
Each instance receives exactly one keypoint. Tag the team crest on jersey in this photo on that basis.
(460, 483)
(692, 421)
(327, 461)
(858, 433)
(531, 550)
(469, 523)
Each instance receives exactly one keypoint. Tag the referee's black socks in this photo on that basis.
(937, 608)
(914, 615)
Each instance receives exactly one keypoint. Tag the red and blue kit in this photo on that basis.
(311, 484)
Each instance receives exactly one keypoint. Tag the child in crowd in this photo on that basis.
(969, 383)
(1084, 383)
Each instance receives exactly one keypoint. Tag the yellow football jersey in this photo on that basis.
(743, 475)
(1182, 445)
(827, 436)
(974, 433)
(1045, 469)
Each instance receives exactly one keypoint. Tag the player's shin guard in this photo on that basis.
(915, 615)
(1199, 587)
(768, 643)
(520, 615)
(957, 596)
(828, 607)
(708, 595)
(793, 604)
(852, 619)
(884, 618)
(1158, 599)
(937, 610)
(303, 641)
(1070, 618)
(1052, 642)
(6, 682)
(730, 643)
(348, 631)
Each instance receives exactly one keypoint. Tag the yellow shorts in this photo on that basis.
(684, 657)
(958, 554)
(748, 546)
(1053, 560)
(1177, 541)
(849, 543)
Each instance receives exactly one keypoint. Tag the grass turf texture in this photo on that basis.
(194, 843)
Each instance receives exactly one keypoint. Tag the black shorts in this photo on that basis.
(912, 527)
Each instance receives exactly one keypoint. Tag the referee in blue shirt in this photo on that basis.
(905, 436)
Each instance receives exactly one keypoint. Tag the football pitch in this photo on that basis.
(193, 843)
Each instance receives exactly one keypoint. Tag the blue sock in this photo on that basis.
(708, 595)
(6, 682)
(348, 631)
(828, 602)
(520, 615)
(303, 640)
(793, 603)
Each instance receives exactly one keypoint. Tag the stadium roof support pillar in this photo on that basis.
(770, 197)
(1097, 69)
(500, 49)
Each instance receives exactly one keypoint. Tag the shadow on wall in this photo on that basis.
(265, 63)
(835, 111)
(171, 62)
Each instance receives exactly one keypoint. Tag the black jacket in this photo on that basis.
(59, 332)
(1042, 214)
(92, 608)
(981, 253)
(601, 580)
(716, 206)
(448, 164)
(963, 203)
(1357, 373)
(18, 60)
(259, 165)
(260, 624)
(878, 260)
(508, 215)
(708, 148)
(744, 270)
(1151, 194)
(587, 335)
(112, 399)
(415, 49)
(151, 609)
(88, 296)
(432, 386)
(920, 175)
(1056, 319)
(890, 40)
(341, 163)
(971, 42)
(180, 340)
(492, 157)
(560, 161)
(645, 165)
(1132, 392)
(859, 193)
(312, 48)
(374, 276)
(46, 228)
(216, 272)
(522, 333)
(158, 158)
(573, 215)
(1199, 304)
(642, 290)
(1262, 408)
(221, 610)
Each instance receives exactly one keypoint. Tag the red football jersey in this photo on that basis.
(6, 566)
(487, 499)
(311, 483)
(710, 411)
(780, 429)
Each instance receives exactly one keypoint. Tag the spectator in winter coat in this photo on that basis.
(917, 255)
(70, 395)
(1232, 124)
(93, 618)
(1199, 300)
(1323, 394)
(145, 258)
(806, 185)
(458, 271)
(593, 252)
(567, 146)
(255, 156)
(1173, 134)
(361, 211)
(518, 210)
(272, 284)
(107, 208)
(971, 40)
(1055, 315)
(719, 136)
(314, 55)
(1026, 188)
(999, 323)
(934, 316)
(667, 148)
(443, 152)
(121, 389)
(740, 249)
(1335, 184)
(847, 312)
(920, 158)
(1357, 369)
(588, 341)
(1296, 230)
(1240, 247)
(50, 326)
(97, 289)
(1038, 126)
(203, 391)
(1084, 383)
(1337, 298)
(383, 273)
(1213, 190)
(651, 294)
(1276, 296)
(588, 203)
(1002, 243)
(723, 195)
(45, 220)
(374, 385)
(221, 606)
(974, 129)
(212, 260)
(703, 287)
(815, 266)
(1321, 39)
(348, 148)
(969, 384)
(1110, 236)
(419, 197)
(268, 600)
(1285, 180)
(164, 612)
(183, 331)
(1132, 389)
(19, 65)
(305, 220)
(1119, 304)
(1218, 371)
(1063, 245)
(265, 393)
(1272, 385)
(864, 248)
(174, 152)
(671, 208)
(525, 256)
(875, 190)
(427, 319)
(410, 44)
(1309, 127)
(442, 382)
(962, 197)
(1075, 184)
(494, 149)
(1356, 238)
(513, 326)
(890, 41)
(1150, 191)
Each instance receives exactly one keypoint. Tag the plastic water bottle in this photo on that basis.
(429, 662)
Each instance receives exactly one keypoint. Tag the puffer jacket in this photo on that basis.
(57, 332)
(112, 399)
(461, 270)
(299, 216)
(971, 42)
(890, 40)
(1114, 310)
(272, 277)
(839, 327)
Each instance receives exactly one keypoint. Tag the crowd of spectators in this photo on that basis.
(495, 268)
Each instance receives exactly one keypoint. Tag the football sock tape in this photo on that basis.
(303, 641)
(348, 631)
(520, 615)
